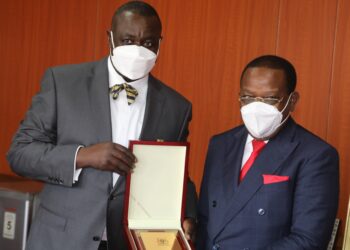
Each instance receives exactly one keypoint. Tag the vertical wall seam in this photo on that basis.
(96, 28)
(331, 80)
(278, 26)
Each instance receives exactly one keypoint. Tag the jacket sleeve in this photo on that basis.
(184, 132)
(34, 152)
(315, 203)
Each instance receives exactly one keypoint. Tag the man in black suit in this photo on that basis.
(270, 183)
(76, 133)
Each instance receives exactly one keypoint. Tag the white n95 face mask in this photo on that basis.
(133, 61)
(262, 120)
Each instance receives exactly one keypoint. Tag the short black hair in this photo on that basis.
(275, 62)
(137, 7)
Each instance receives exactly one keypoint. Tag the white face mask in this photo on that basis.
(261, 119)
(133, 61)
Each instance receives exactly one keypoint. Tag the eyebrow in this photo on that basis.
(127, 35)
(252, 93)
(147, 37)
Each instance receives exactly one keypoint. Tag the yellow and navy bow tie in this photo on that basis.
(131, 92)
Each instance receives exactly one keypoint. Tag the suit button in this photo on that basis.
(246, 248)
(261, 211)
(214, 204)
(216, 247)
(96, 238)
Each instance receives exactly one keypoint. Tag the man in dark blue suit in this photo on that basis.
(270, 183)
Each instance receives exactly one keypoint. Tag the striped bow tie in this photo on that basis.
(131, 92)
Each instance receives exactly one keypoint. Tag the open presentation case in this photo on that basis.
(155, 196)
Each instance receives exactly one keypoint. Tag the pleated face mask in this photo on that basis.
(262, 120)
(133, 61)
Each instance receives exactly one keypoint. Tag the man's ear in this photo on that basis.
(293, 100)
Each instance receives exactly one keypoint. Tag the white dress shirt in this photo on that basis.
(126, 119)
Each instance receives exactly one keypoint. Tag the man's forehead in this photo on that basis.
(264, 78)
(264, 72)
(133, 20)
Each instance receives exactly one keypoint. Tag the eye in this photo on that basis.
(148, 43)
(127, 41)
(246, 99)
(271, 100)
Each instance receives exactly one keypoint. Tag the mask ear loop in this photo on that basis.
(110, 33)
(160, 39)
(111, 37)
(285, 119)
(285, 106)
(111, 50)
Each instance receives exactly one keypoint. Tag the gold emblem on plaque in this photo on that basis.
(153, 240)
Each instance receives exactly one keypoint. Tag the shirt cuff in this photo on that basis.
(76, 171)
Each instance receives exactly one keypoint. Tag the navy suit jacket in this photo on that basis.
(297, 213)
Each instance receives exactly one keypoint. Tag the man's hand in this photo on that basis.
(189, 226)
(106, 156)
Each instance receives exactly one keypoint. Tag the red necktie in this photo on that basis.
(257, 147)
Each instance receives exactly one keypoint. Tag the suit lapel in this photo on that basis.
(153, 111)
(98, 90)
(232, 164)
(99, 101)
(119, 187)
(268, 162)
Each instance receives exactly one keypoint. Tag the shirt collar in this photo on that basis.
(115, 78)
(250, 139)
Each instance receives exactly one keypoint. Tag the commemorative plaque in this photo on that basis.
(155, 196)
